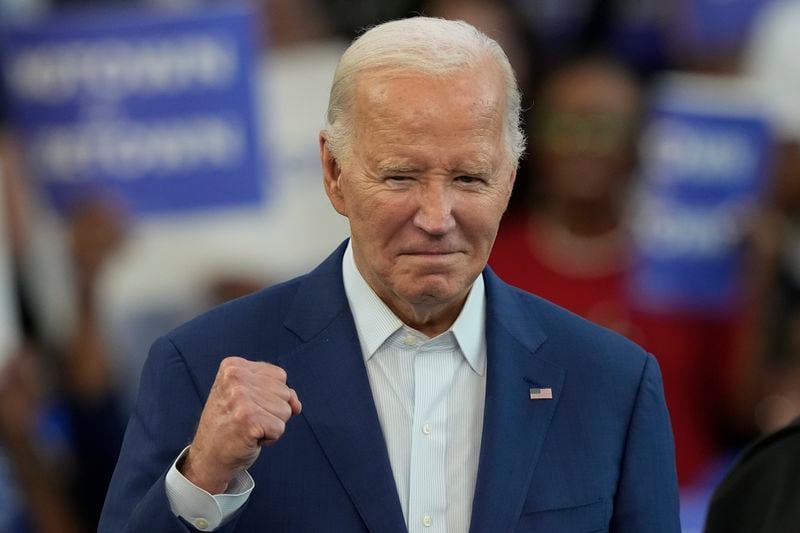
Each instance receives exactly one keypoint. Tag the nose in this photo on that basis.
(435, 210)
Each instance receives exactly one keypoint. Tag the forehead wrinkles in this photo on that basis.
(407, 108)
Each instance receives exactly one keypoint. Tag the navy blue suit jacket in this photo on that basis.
(596, 457)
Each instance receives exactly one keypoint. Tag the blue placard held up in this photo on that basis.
(711, 25)
(154, 107)
(705, 158)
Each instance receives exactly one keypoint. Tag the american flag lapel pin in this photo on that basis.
(541, 393)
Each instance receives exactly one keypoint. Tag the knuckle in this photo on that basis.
(279, 426)
(283, 411)
(241, 416)
(237, 391)
(275, 427)
(282, 392)
(226, 373)
(278, 373)
(254, 432)
(232, 368)
(231, 361)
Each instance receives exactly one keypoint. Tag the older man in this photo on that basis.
(434, 396)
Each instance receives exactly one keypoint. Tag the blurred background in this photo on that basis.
(160, 157)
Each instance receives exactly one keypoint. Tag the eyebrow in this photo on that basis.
(403, 166)
(474, 168)
(397, 166)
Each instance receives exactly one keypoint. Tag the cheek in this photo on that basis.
(384, 213)
(480, 220)
(379, 224)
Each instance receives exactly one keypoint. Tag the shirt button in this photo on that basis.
(201, 523)
(427, 521)
(410, 340)
(426, 429)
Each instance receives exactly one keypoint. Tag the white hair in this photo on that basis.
(428, 45)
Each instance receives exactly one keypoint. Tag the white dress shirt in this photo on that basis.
(429, 395)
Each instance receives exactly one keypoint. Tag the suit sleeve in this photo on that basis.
(162, 424)
(647, 493)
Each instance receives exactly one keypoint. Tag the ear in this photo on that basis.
(331, 175)
(511, 180)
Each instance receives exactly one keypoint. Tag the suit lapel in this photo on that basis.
(514, 426)
(328, 372)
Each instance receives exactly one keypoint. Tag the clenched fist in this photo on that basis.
(247, 408)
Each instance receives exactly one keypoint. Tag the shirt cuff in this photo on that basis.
(203, 510)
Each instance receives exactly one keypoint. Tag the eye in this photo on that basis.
(398, 180)
(469, 180)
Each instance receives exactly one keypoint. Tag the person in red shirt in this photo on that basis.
(572, 246)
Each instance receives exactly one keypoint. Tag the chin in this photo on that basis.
(433, 293)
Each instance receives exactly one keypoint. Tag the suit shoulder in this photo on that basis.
(582, 343)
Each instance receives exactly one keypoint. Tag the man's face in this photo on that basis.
(425, 184)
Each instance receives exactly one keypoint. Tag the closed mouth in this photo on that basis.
(430, 252)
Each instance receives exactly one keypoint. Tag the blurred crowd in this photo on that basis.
(85, 291)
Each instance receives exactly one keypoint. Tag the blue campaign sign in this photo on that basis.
(154, 107)
(714, 24)
(703, 168)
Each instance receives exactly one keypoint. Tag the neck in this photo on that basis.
(582, 254)
(430, 319)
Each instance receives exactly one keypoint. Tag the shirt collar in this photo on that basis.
(375, 322)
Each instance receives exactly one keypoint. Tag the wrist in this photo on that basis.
(196, 471)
